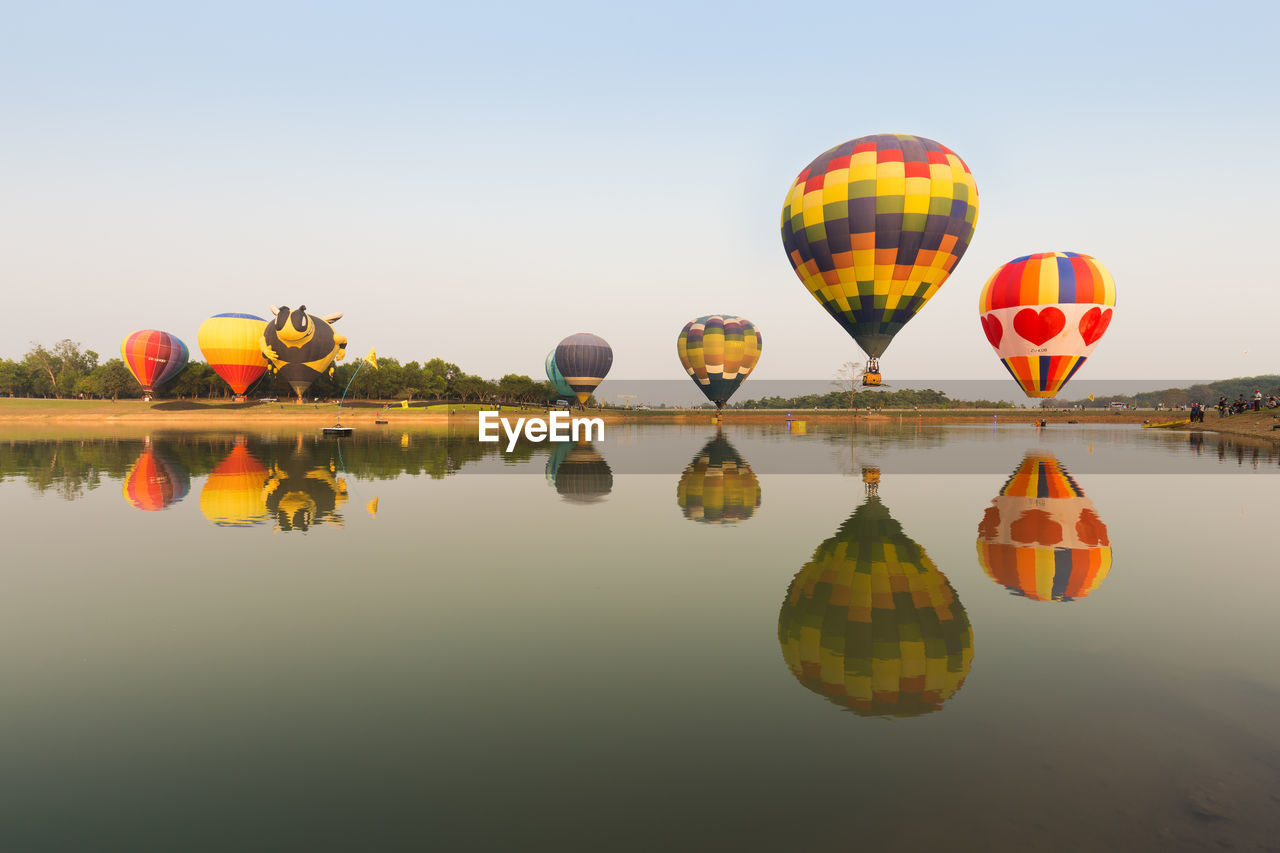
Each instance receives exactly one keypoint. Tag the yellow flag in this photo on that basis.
(371, 359)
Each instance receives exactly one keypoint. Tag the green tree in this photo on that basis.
(15, 381)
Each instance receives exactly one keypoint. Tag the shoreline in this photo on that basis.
(30, 413)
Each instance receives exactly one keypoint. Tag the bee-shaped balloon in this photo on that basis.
(300, 346)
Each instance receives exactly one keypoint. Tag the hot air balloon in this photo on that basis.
(718, 352)
(1041, 537)
(232, 344)
(556, 378)
(153, 357)
(584, 361)
(1044, 314)
(155, 482)
(305, 491)
(718, 487)
(233, 495)
(871, 624)
(874, 227)
(582, 475)
(301, 346)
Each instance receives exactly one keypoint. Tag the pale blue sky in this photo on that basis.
(477, 181)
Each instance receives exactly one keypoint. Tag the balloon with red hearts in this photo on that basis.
(1041, 538)
(1043, 315)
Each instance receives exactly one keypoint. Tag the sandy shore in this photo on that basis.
(1250, 424)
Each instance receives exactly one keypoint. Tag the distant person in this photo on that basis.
(1257, 399)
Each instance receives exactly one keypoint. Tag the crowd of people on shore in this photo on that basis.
(1226, 408)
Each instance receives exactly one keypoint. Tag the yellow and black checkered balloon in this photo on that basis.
(874, 227)
(871, 624)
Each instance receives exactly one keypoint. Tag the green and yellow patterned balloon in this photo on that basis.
(718, 487)
(871, 624)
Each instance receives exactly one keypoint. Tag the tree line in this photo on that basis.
(66, 370)
(900, 399)
(1206, 393)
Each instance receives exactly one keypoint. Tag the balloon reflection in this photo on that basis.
(579, 473)
(155, 481)
(233, 496)
(718, 487)
(872, 624)
(1041, 537)
(304, 491)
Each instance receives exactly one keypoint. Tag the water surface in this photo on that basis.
(984, 638)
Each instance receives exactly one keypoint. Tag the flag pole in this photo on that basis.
(362, 363)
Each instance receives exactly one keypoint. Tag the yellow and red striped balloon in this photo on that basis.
(232, 344)
(1044, 313)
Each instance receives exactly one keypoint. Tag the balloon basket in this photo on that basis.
(871, 380)
(337, 431)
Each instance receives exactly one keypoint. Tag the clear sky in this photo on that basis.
(477, 180)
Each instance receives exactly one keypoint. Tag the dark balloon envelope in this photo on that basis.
(872, 625)
(718, 487)
(304, 490)
(718, 352)
(874, 226)
(300, 347)
(583, 360)
(1041, 538)
(580, 473)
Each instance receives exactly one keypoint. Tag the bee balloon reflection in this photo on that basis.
(871, 624)
(718, 487)
(304, 490)
(1041, 537)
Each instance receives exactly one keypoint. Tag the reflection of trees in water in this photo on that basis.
(69, 467)
(871, 624)
(718, 487)
(859, 439)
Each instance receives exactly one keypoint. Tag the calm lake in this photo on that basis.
(967, 637)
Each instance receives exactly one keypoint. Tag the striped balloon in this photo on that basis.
(1041, 538)
(871, 624)
(718, 487)
(155, 482)
(1043, 315)
(153, 357)
(233, 495)
(584, 360)
(718, 352)
(556, 378)
(582, 475)
(874, 226)
(232, 344)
